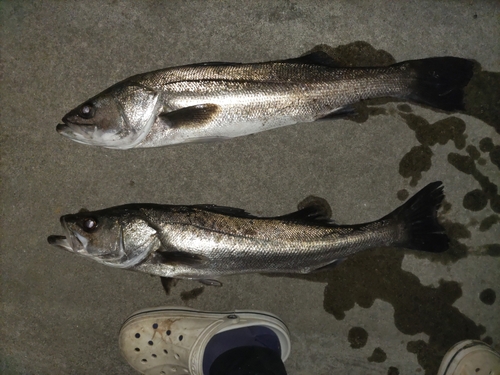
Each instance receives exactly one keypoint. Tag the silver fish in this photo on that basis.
(205, 242)
(215, 101)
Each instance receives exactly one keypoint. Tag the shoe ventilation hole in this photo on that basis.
(144, 360)
(137, 335)
(153, 355)
(176, 356)
(165, 351)
(180, 338)
(150, 342)
(137, 349)
(169, 332)
(155, 326)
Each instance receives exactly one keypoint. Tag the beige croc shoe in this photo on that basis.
(172, 340)
(470, 357)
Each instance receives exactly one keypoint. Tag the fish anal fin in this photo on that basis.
(189, 117)
(330, 265)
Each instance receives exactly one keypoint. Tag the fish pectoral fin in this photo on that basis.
(238, 212)
(189, 117)
(311, 208)
(179, 257)
(210, 282)
(330, 265)
(315, 58)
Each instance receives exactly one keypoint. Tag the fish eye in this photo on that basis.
(86, 111)
(89, 225)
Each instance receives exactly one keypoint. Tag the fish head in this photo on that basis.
(119, 117)
(118, 237)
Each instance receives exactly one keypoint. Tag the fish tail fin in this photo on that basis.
(418, 219)
(440, 81)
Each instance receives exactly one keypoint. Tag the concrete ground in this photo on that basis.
(381, 312)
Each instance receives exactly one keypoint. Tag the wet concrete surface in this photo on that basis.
(381, 312)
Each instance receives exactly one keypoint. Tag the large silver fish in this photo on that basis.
(212, 101)
(205, 241)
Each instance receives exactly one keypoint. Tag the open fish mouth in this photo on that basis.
(73, 241)
(60, 241)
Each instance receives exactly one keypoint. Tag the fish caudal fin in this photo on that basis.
(440, 81)
(418, 215)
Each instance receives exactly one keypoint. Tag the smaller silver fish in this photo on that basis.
(205, 241)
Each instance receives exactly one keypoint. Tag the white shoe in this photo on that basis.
(172, 340)
(470, 357)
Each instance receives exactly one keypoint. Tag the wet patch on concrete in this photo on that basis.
(466, 164)
(192, 294)
(378, 356)
(488, 222)
(357, 337)
(486, 145)
(378, 274)
(475, 200)
(488, 296)
(393, 371)
(416, 161)
(493, 250)
(482, 97)
(403, 194)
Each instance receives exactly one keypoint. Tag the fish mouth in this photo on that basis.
(60, 241)
(72, 242)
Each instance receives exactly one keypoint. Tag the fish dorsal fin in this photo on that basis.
(311, 208)
(315, 58)
(237, 212)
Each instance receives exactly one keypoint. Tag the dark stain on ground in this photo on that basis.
(465, 164)
(473, 152)
(416, 161)
(475, 200)
(192, 294)
(378, 274)
(378, 356)
(488, 340)
(488, 222)
(493, 250)
(482, 97)
(357, 337)
(403, 194)
(393, 371)
(488, 296)
(486, 145)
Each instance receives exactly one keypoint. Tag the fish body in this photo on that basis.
(205, 242)
(215, 101)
